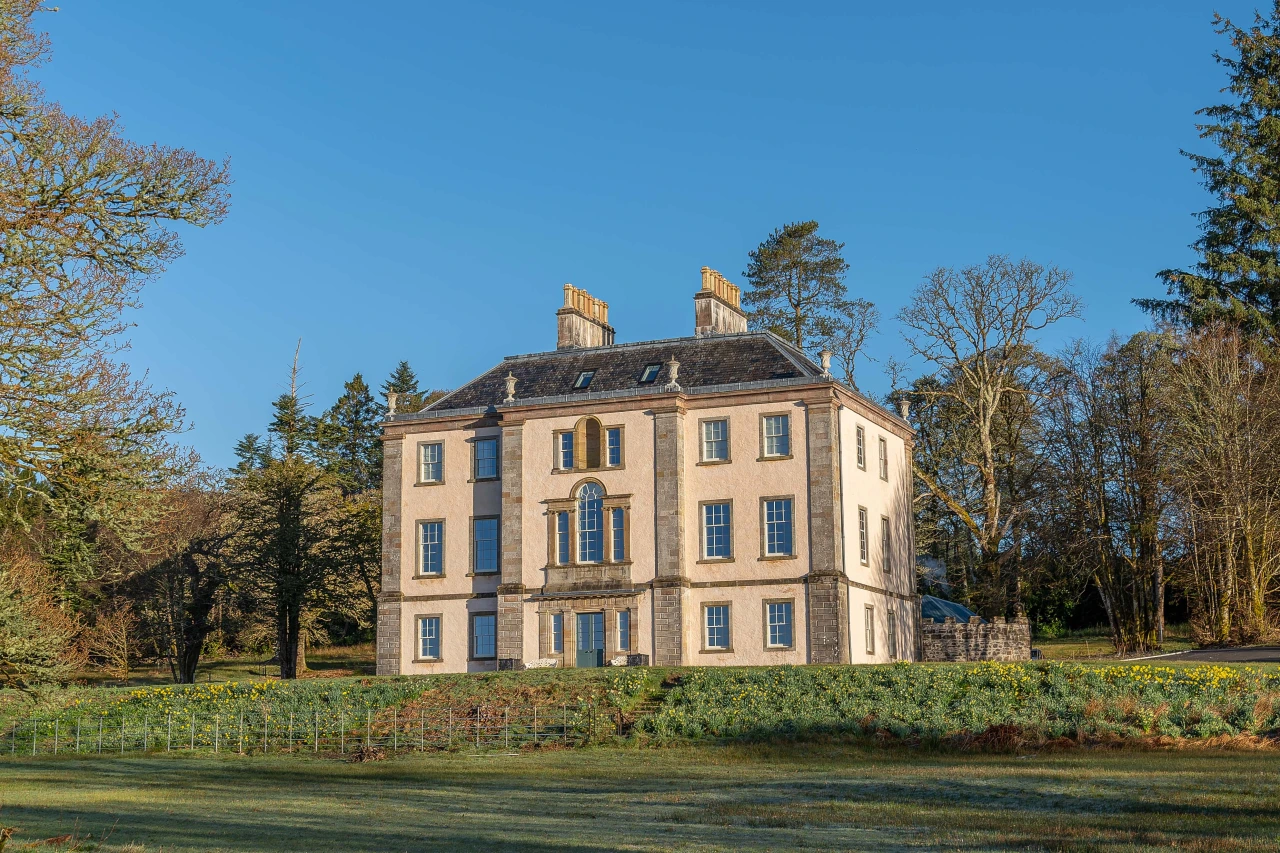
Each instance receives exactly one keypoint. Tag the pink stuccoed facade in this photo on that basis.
(711, 500)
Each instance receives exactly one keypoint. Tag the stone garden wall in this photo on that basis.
(973, 641)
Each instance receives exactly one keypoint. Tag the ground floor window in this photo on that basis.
(557, 632)
(778, 624)
(484, 636)
(892, 626)
(869, 615)
(624, 630)
(716, 620)
(429, 638)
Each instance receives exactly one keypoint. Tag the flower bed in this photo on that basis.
(1031, 701)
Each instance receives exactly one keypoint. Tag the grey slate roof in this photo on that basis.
(753, 357)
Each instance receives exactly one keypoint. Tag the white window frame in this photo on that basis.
(624, 630)
(475, 459)
(497, 544)
(884, 459)
(564, 542)
(565, 450)
(609, 434)
(723, 621)
(475, 635)
(771, 527)
(770, 624)
(422, 544)
(886, 544)
(727, 524)
(707, 443)
(864, 546)
(783, 437)
(557, 633)
(584, 531)
(617, 534)
(425, 622)
(860, 444)
(422, 461)
(584, 380)
(891, 618)
(869, 628)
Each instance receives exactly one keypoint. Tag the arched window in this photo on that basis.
(590, 523)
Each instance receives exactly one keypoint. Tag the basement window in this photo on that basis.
(584, 379)
(650, 373)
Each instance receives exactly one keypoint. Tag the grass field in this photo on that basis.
(323, 662)
(1095, 643)
(741, 798)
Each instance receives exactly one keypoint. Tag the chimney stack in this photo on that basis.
(717, 308)
(583, 322)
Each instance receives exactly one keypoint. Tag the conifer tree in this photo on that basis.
(291, 425)
(1237, 278)
(797, 291)
(251, 451)
(404, 382)
(796, 278)
(287, 509)
(348, 438)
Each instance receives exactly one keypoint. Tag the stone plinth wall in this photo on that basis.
(959, 641)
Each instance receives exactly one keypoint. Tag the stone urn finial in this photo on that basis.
(392, 398)
(511, 388)
(904, 407)
(825, 355)
(673, 375)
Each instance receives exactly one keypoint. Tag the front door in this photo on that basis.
(590, 639)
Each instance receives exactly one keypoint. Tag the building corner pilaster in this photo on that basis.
(827, 585)
(670, 580)
(389, 628)
(511, 591)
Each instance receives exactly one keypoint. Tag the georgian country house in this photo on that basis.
(705, 500)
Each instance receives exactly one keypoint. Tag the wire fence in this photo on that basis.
(343, 732)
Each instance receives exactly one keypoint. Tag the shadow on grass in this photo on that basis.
(717, 798)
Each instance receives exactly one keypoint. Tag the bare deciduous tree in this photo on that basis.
(974, 327)
(845, 334)
(1106, 499)
(1224, 437)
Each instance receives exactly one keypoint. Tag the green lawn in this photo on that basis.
(739, 798)
(322, 662)
(1095, 643)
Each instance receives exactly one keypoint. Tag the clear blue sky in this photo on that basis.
(418, 180)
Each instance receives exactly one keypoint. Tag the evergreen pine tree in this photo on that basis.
(797, 291)
(291, 425)
(1237, 278)
(251, 451)
(404, 381)
(797, 279)
(348, 437)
